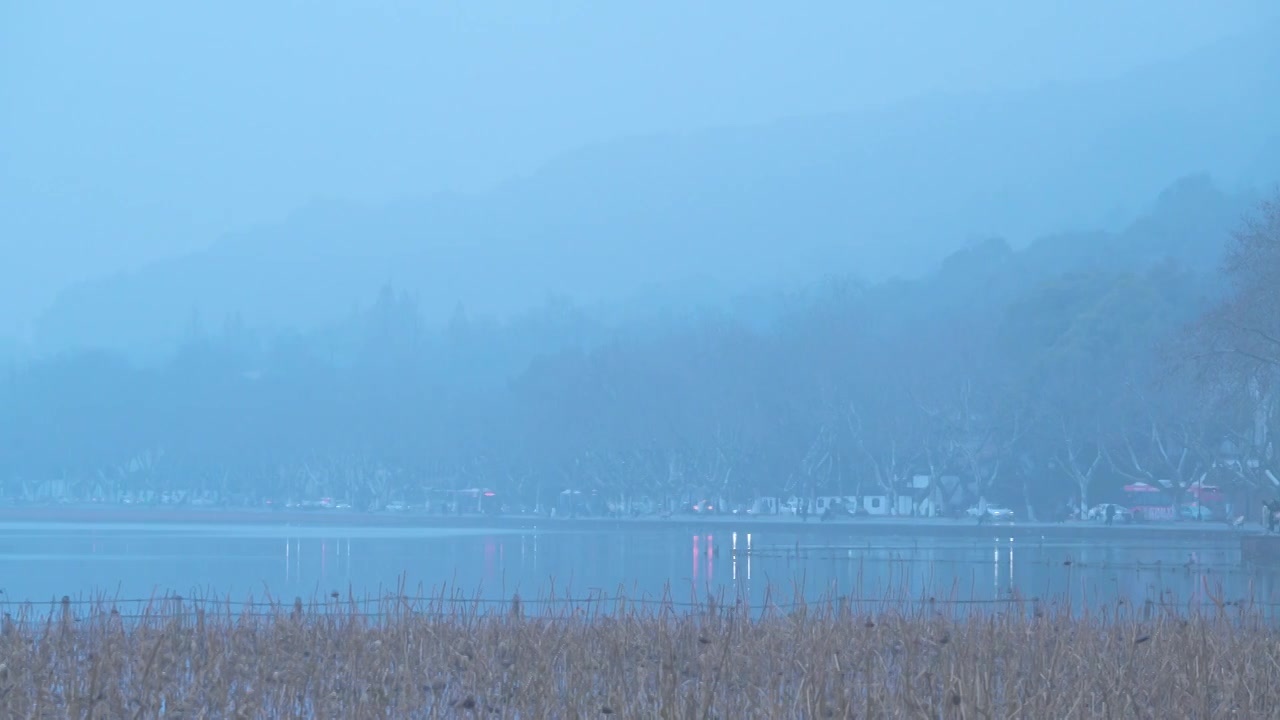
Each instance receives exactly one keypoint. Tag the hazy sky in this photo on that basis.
(130, 130)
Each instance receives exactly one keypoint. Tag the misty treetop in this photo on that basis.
(1051, 374)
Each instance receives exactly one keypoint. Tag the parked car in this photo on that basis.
(1099, 513)
(705, 506)
(994, 513)
(1196, 512)
(836, 511)
(398, 506)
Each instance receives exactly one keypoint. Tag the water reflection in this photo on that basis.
(333, 557)
(643, 563)
(746, 552)
(704, 556)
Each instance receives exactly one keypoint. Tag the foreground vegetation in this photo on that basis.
(336, 659)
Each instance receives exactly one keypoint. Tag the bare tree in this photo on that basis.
(894, 453)
(1080, 456)
(1162, 436)
(980, 432)
(1245, 326)
(818, 463)
(1237, 348)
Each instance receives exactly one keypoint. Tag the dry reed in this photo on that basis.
(440, 658)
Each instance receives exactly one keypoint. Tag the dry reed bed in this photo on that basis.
(834, 658)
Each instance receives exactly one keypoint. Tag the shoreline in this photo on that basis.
(934, 527)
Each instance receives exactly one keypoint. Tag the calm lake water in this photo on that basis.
(42, 562)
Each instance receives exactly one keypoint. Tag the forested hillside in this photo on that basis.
(1052, 373)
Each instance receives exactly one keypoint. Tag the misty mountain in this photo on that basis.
(1189, 223)
(703, 216)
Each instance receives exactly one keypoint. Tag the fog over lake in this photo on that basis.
(761, 566)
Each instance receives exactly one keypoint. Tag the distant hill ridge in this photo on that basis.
(882, 193)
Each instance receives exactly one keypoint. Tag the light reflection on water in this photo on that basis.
(40, 563)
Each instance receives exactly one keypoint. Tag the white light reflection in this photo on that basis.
(1008, 581)
(1011, 563)
(996, 580)
(292, 559)
(733, 548)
